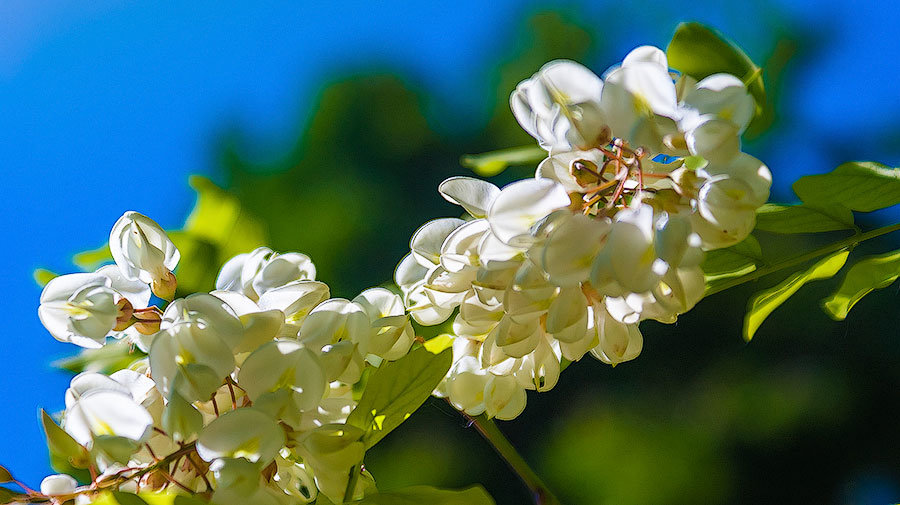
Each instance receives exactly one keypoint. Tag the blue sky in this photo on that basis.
(107, 106)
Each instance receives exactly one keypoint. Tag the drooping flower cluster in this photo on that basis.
(644, 172)
(244, 391)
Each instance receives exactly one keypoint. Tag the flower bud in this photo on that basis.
(59, 484)
(143, 251)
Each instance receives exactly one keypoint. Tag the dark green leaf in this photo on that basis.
(396, 389)
(803, 218)
(62, 444)
(421, 495)
(868, 274)
(9, 496)
(699, 52)
(493, 162)
(764, 302)
(860, 185)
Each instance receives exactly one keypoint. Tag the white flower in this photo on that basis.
(560, 106)
(79, 308)
(190, 354)
(331, 451)
(262, 270)
(144, 252)
(284, 364)
(619, 342)
(639, 99)
(504, 398)
(85, 308)
(520, 205)
(576, 170)
(295, 479)
(243, 433)
(334, 320)
(571, 245)
(474, 195)
(59, 484)
(391, 334)
(628, 260)
(107, 412)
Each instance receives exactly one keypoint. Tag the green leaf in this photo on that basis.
(765, 302)
(868, 274)
(9, 496)
(739, 259)
(42, 276)
(437, 344)
(699, 52)
(123, 498)
(493, 162)
(217, 229)
(91, 260)
(859, 185)
(420, 495)
(803, 218)
(110, 358)
(5, 475)
(62, 444)
(396, 389)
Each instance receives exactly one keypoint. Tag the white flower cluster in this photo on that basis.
(245, 390)
(644, 172)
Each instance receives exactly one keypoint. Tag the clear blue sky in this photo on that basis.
(107, 106)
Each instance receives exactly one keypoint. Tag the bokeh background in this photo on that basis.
(332, 126)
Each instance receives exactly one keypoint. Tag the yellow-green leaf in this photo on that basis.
(859, 185)
(396, 389)
(699, 52)
(42, 276)
(62, 444)
(765, 302)
(868, 274)
(493, 162)
(803, 218)
(739, 259)
(91, 260)
(110, 358)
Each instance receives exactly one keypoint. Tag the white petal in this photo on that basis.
(522, 204)
(242, 433)
(474, 195)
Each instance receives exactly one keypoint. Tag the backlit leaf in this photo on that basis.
(493, 162)
(803, 218)
(765, 302)
(396, 389)
(868, 274)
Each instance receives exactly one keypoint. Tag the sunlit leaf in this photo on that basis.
(420, 495)
(803, 218)
(396, 389)
(859, 185)
(699, 52)
(493, 162)
(112, 357)
(765, 302)
(123, 498)
(42, 276)
(62, 444)
(5, 476)
(868, 274)
(437, 344)
(739, 259)
(91, 260)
